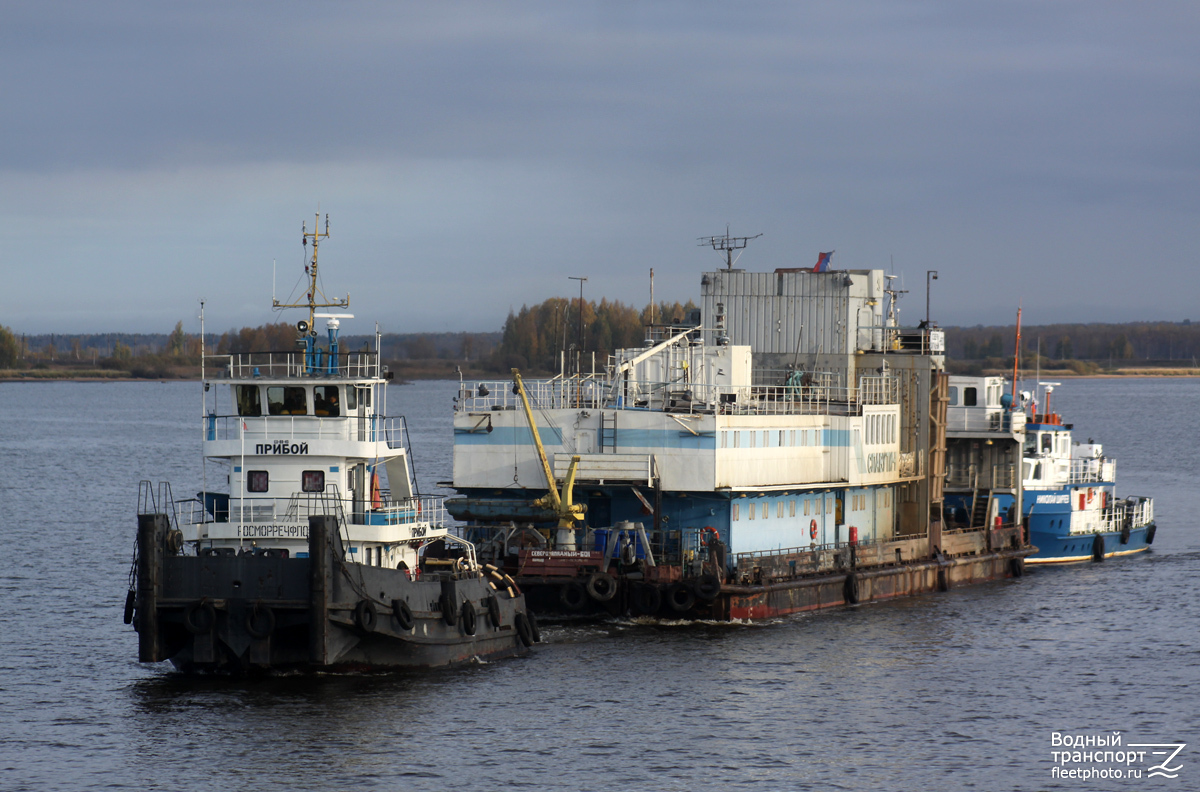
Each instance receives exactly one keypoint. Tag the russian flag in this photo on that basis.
(823, 262)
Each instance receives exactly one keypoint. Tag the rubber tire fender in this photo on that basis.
(1150, 534)
(524, 631)
(850, 588)
(1125, 534)
(469, 618)
(207, 621)
(174, 541)
(449, 612)
(493, 609)
(1016, 567)
(534, 630)
(646, 599)
(708, 587)
(602, 586)
(260, 621)
(1098, 548)
(365, 617)
(943, 579)
(403, 614)
(130, 600)
(680, 597)
(573, 596)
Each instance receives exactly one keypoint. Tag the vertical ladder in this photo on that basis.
(608, 432)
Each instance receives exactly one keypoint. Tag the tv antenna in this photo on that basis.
(727, 244)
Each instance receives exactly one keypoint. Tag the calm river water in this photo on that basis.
(951, 691)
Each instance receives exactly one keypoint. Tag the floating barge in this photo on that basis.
(783, 449)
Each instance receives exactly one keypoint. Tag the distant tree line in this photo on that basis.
(537, 337)
(1146, 341)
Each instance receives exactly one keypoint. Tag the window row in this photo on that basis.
(809, 506)
(770, 438)
(260, 481)
(880, 428)
(294, 399)
(763, 510)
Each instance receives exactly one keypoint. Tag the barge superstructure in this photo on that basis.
(782, 449)
(316, 551)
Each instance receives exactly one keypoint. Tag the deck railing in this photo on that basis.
(297, 508)
(799, 397)
(960, 419)
(290, 365)
(994, 477)
(301, 428)
(1091, 471)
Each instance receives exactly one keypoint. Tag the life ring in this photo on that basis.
(646, 599)
(403, 614)
(602, 587)
(573, 596)
(680, 597)
(708, 587)
(524, 631)
(812, 529)
(705, 531)
(493, 609)
(1091, 494)
(260, 621)
(468, 617)
(200, 617)
(364, 616)
(449, 612)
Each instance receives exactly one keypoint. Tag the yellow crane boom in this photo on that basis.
(568, 513)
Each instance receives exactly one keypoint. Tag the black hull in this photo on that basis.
(256, 612)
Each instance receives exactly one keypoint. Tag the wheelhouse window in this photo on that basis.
(970, 397)
(287, 400)
(325, 401)
(248, 401)
(351, 398)
(953, 395)
(257, 481)
(312, 481)
(1048, 441)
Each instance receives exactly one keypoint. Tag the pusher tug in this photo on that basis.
(321, 555)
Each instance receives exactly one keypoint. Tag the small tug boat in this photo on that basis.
(1071, 508)
(1064, 490)
(321, 554)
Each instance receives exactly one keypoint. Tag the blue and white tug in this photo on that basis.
(1064, 490)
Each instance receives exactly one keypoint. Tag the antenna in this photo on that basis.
(310, 270)
(727, 244)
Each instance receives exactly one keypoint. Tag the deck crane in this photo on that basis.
(568, 513)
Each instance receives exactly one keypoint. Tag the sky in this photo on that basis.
(472, 157)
